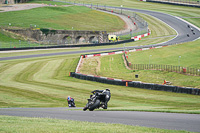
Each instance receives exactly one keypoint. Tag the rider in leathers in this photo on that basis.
(106, 93)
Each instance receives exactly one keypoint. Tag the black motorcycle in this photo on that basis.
(97, 100)
(71, 103)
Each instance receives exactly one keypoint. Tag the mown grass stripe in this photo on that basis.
(49, 76)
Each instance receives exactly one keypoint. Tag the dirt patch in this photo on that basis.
(94, 64)
(17, 7)
(125, 63)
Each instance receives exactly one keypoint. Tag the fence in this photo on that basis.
(177, 89)
(160, 67)
(142, 26)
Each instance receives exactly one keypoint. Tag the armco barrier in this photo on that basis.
(69, 46)
(177, 89)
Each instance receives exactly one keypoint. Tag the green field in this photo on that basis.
(26, 82)
(80, 18)
(189, 52)
(159, 34)
(59, 17)
(180, 11)
(68, 17)
(45, 81)
(35, 125)
(190, 57)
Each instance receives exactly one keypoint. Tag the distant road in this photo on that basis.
(174, 121)
(180, 26)
(177, 24)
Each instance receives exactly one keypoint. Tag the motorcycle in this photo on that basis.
(96, 101)
(71, 103)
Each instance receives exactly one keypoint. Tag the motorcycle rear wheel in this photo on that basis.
(95, 105)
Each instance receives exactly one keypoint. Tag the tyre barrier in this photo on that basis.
(98, 79)
(136, 84)
(128, 83)
(169, 88)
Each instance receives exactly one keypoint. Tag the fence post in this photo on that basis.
(199, 72)
(193, 70)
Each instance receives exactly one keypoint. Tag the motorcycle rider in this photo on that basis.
(70, 101)
(106, 94)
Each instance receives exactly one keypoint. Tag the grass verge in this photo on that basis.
(180, 11)
(31, 125)
(60, 17)
(113, 66)
(44, 82)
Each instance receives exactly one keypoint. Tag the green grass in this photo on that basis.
(80, 18)
(189, 52)
(11, 40)
(44, 82)
(113, 66)
(68, 18)
(157, 27)
(47, 2)
(163, 31)
(181, 11)
(71, 14)
(32, 125)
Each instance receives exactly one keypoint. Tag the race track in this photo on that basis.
(177, 24)
(180, 26)
(189, 122)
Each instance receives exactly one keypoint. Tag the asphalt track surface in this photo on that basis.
(180, 26)
(189, 122)
(173, 121)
